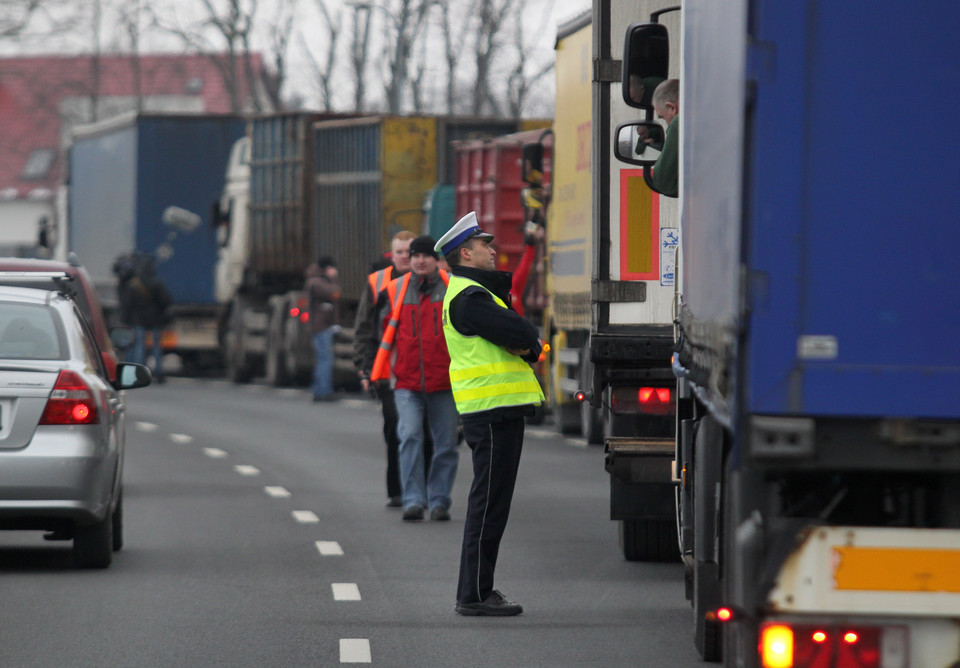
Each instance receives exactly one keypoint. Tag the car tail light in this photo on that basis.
(70, 402)
(847, 646)
(295, 312)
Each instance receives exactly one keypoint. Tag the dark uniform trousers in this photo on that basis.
(496, 447)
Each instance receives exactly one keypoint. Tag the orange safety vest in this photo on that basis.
(378, 279)
(396, 291)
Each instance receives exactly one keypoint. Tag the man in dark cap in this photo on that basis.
(494, 389)
(414, 353)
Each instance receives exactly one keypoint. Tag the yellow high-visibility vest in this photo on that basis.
(484, 375)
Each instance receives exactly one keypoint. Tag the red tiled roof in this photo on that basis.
(33, 90)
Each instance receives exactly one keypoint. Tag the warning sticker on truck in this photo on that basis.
(669, 240)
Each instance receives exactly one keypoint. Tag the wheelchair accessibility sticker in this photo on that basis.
(669, 240)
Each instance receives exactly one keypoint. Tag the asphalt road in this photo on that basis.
(256, 535)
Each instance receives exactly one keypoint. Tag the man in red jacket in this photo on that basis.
(420, 365)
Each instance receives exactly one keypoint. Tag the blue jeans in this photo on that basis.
(442, 416)
(138, 351)
(323, 369)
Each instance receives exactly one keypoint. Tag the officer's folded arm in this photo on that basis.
(476, 314)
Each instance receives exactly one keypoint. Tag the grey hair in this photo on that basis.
(667, 91)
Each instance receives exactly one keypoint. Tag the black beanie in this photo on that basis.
(423, 244)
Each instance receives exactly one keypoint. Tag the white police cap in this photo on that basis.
(466, 228)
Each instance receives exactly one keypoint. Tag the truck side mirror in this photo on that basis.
(646, 60)
(639, 143)
(532, 171)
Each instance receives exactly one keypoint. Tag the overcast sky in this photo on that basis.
(540, 21)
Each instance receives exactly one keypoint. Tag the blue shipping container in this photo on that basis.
(125, 175)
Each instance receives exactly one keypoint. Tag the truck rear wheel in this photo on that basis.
(568, 418)
(649, 540)
(238, 365)
(276, 358)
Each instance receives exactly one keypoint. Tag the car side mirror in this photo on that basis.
(131, 376)
(639, 143)
(646, 60)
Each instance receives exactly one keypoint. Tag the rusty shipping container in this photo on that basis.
(372, 176)
(489, 181)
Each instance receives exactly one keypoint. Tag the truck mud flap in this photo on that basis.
(642, 481)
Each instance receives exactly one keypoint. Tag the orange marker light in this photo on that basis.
(776, 646)
(724, 614)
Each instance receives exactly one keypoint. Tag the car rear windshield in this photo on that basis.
(30, 332)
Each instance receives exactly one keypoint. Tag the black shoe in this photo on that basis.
(494, 605)
(440, 514)
(395, 502)
(413, 513)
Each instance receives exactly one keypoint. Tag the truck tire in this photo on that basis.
(649, 540)
(276, 358)
(707, 477)
(591, 424)
(591, 418)
(708, 631)
(239, 369)
(568, 418)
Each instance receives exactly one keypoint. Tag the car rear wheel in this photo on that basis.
(93, 544)
(118, 525)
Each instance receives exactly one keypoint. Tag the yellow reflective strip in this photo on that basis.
(504, 389)
(487, 370)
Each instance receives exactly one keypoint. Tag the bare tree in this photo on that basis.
(358, 51)
(24, 20)
(323, 72)
(492, 15)
(279, 33)
(232, 27)
(405, 25)
(129, 17)
(453, 48)
(519, 82)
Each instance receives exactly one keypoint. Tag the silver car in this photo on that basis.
(61, 426)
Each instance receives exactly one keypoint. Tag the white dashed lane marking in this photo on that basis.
(345, 591)
(215, 453)
(329, 548)
(277, 492)
(355, 650)
(146, 426)
(181, 438)
(305, 516)
(246, 469)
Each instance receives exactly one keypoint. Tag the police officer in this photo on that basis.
(494, 389)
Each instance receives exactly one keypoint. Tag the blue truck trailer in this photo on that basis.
(146, 182)
(818, 448)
